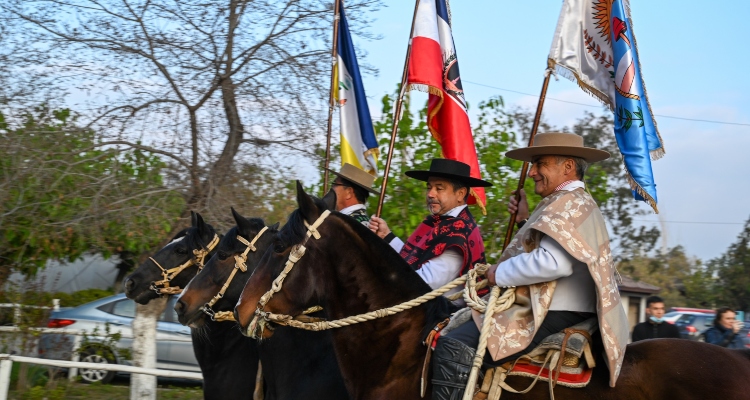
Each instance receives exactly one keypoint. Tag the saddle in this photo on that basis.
(564, 358)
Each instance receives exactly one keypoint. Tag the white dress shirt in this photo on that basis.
(575, 290)
(351, 209)
(442, 269)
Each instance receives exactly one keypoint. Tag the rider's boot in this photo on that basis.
(451, 365)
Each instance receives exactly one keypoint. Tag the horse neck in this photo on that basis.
(392, 356)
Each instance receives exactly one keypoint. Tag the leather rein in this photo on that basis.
(262, 317)
(239, 264)
(199, 256)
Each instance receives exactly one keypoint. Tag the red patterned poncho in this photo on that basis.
(437, 233)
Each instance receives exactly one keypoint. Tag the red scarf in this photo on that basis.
(437, 233)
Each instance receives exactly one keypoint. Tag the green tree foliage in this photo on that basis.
(61, 195)
(684, 281)
(404, 205)
(733, 273)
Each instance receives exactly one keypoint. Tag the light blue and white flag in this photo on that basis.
(595, 46)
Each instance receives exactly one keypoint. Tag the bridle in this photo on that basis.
(262, 317)
(239, 264)
(199, 256)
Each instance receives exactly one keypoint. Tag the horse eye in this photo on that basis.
(180, 250)
(222, 255)
(279, 247)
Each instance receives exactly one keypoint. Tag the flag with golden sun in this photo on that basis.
(594, 45)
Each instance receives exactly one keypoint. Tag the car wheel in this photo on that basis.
(96, 355)
(701, 338)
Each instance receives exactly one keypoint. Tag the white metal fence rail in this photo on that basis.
(6, 362)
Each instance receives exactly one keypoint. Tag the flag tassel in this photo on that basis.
(647, 197)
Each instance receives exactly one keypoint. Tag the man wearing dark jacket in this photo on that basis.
(655, 327)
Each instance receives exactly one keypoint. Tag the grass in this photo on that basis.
(119, 390)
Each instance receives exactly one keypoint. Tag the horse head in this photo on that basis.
(303, 287)
(322, 258)
(172, 267)
(217, 287)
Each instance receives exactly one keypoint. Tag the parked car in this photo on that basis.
(103, 329)
(672, 316)
(692, 324)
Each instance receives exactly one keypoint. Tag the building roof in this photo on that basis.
(629, 284)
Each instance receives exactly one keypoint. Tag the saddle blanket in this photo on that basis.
(570, 378)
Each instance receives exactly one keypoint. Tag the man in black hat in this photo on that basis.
(352, 187)
(448, 242)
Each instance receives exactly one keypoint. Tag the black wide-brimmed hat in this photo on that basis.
(451, 169)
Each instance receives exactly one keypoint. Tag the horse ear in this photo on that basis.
(330, 200)
(243, 225)
(199, 223)
(275, 227)
(192, 218)
(306, 204)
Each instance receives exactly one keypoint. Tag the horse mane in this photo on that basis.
(294, 231)
(436, 310)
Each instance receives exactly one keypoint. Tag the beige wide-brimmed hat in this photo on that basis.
(357, 177)
(558, 144)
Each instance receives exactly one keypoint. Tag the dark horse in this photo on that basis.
(228, 361)
(352, 271)
(139, 285)
(296, 365)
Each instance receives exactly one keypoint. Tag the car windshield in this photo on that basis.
(685, 319)
(126, 308)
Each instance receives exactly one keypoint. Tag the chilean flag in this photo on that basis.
(433, 68)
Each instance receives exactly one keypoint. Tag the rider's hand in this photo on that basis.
(491, 274)
(379, 226)
(736, 326)
(520, 207)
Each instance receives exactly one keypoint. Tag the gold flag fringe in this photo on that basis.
(635, 186)
(572, 76)
(375, 152)
(436, 92)
(480, 203)
(661, 151)
(658, 153)
(423, 87)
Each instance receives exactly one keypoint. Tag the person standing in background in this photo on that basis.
(654, 327)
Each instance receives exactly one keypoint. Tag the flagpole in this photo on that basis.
(331, 100)
(525, 168)
(397, 114)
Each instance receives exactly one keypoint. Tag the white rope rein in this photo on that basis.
(257, 325)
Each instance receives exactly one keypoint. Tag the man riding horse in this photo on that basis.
(352, 187)
(448, 242)
(559, 261)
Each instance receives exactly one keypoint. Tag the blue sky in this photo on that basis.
(694, 56)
